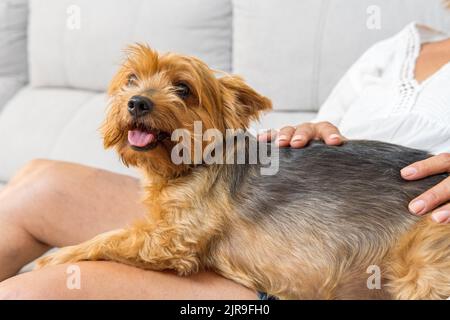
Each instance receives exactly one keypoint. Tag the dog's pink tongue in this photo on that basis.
(139, 138)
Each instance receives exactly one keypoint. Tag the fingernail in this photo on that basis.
(334, 136)
(408, 171)
(441, 216)
(281, 138)
(297, 138)
(417, 206)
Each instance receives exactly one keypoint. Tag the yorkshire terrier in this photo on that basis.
(314, 230)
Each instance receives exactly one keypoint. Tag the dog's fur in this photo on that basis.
(310, 231)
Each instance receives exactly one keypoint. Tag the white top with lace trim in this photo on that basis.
(380, 99)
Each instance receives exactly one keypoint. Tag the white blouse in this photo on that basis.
(380, 99)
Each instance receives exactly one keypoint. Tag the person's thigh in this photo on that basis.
(63, 204)
(107, 280)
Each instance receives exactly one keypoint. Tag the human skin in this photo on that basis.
(433, 56)
(55, 204)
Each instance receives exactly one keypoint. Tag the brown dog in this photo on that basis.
(310, 231)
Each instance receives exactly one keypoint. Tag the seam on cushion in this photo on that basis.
(81, 106)
(65, 63)
(65, 42)
(231, 51)
(14, 88)
(318, 45)
(20, 12)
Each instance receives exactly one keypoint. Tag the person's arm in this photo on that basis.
(348, 89)
(366, 69)
(438, 197)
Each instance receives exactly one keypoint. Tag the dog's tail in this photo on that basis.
(419, 265)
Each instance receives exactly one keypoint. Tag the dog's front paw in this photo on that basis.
(64, 255)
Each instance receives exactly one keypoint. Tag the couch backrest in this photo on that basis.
(295, 51)
(292, 51)
(13, 53)
(80, 43)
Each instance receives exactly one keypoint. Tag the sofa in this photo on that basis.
(57, 57)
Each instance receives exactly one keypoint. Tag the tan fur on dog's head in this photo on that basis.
(183, 90)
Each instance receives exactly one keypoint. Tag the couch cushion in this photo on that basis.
(8, 87)
(58, 124)
(85, 55)
(13, 51)
(295, 51)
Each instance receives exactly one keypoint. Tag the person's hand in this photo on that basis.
(299, 136)
(438, 197)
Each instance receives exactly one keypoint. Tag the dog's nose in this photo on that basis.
(139, 106)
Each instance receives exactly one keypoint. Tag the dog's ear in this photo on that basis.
(118, 81)
(242, 103)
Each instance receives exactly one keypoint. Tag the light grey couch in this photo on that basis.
(57, 56)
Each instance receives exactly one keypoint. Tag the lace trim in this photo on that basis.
(408, 88)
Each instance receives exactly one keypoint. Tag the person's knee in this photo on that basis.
(32, 167)
(38, 163)
(47, 177)
(39, 180)
(36, 173)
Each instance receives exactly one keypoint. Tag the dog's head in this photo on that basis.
(152, 95)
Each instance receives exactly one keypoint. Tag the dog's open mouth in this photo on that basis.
(144, 140)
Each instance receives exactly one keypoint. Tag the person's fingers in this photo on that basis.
(284, 136)
(442, 214)
(267, 136)
(302, 135)
(432, 198)
(329, 133)
(427, 167)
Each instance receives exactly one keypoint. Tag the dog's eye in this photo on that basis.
(182, 90)
(132, 79)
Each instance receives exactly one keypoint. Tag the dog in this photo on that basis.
(314, 230)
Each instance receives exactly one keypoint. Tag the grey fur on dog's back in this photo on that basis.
(352, 192)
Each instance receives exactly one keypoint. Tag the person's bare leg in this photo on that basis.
(108, 280)
(58, 204)
(53, 204)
